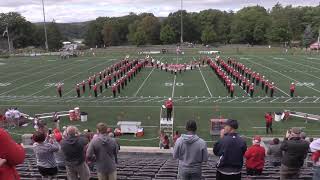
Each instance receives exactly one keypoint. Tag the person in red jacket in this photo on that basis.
(169, 107)
(95, 90)
(114, 90)
(292, 89)
(11, 154)
(268, 117)
(255, 157)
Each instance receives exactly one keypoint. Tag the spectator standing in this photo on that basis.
(44, 149)
(295, 151)
(59, 157)
(169, 107)
(268, 117)
(176, 136)
(166, 142)
(255, 157)
(73, 147)
(11, 154)
(191, 151)
(103, 150)
(315, 149)
(230, 148)
(275, 152)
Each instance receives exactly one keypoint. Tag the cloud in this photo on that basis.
(83, 10)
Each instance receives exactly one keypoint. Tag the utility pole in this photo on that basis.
(8, 37)
(181, 37)
(44, 26)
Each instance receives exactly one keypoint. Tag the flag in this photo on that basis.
(5, 32)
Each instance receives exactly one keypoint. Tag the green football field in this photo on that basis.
(29, 84)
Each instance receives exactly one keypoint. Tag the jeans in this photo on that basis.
(289, 172)
(185, 175)
(316, 173)
(81, 170)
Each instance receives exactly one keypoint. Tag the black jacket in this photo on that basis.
(231, 149)
(295, 151)
(73, 148)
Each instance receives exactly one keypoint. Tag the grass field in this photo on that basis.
(28, 83)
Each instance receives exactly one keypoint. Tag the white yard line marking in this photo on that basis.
(204, 80)
(274, 99)
(288, 100)
(206, 99)
(262, 99)
(303, 99)
(191, 99)
(180, 98)
(246, 100)
(281, 74)
(174, 85)
(135, 94)
(233, 99)
(220, 99)
(316, 100)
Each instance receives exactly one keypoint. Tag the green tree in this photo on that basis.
(307, 36)
(140, 37)
(167, 35)
(208, 35)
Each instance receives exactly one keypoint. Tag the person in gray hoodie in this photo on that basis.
(191, 151)
(103, 150)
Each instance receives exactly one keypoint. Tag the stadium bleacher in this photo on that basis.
(153, 166)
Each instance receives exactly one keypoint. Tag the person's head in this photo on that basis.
(72, 131)
(231, 125)
(191, 126)
(102, 128)
(256, 140)
(169, 99)
(177, 132)
(39, 136)
(310, 139)
(303, 135)
(166, 137)
(275, 141)
(295, 132)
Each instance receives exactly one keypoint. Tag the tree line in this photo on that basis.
(253, 25)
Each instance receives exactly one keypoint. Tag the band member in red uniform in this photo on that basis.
(114, 90)
(169, 107)
(90, 82)
(232, 90)
(59, 89)
(266, 85)
(258, 77)
(292, 89)
(78, 90)
(118, 86)
(248, 85)
(95, 90)
(100, 84)
(251, 89)
(100, 75)
(109, 78)
(94, 79)
(83, 84)
(271, 87)
(268, 118)
(263, 82)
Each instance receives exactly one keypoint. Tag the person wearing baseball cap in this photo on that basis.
(295, 151)
(255, 157)
(230, 148)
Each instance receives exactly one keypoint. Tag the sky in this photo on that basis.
(84, 10)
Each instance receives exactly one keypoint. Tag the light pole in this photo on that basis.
(44, 26)
(181, 37)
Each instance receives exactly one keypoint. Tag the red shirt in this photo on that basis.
(95, 87)
(169, 104)
(268, 118)
(292, 87)
(13, 153)
(255, 157)
(231, 88)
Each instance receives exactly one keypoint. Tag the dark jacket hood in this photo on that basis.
(190, 138)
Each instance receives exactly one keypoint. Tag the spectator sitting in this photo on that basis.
(191, 151)
(73, 148)
(11, 154)
(275, 152)
(255, 157)
(59, 157)
(166, 142)
(315, 149)
(176, 136)
(44, 149)
(103, 150)
(230, 148)
(161, 137)
(295, 151)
